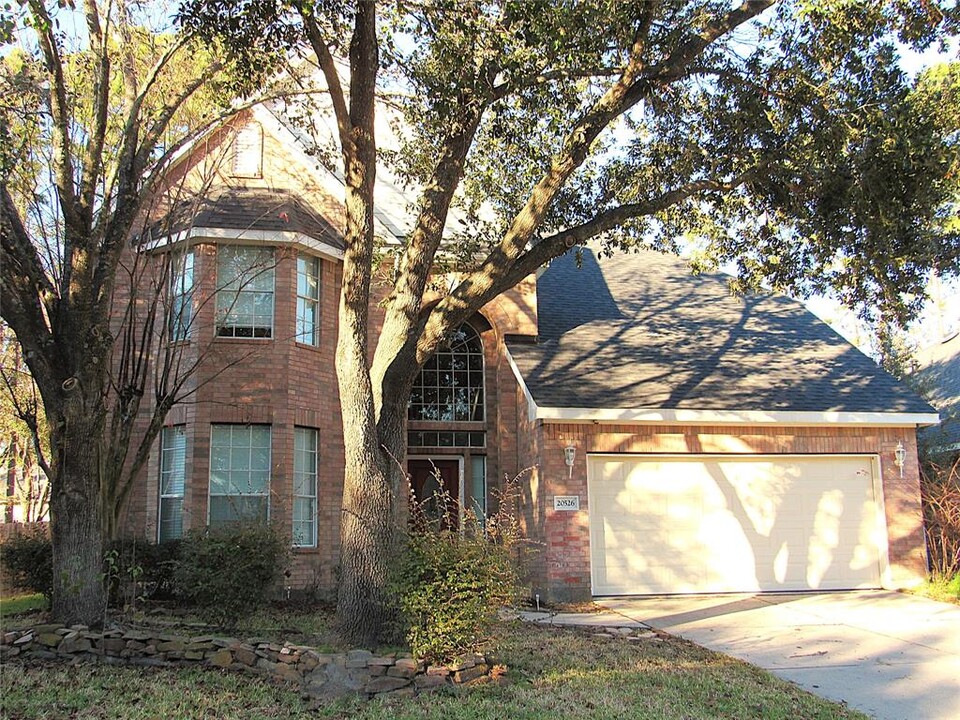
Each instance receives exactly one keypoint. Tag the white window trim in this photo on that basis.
(160, 494)
(180, 290)
(222, 288)
(312, 542)
(309, 301)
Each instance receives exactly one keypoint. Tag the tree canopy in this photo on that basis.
(783, 137)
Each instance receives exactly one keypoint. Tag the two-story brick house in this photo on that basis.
(676, 439)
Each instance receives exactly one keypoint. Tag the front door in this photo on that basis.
(436, 490)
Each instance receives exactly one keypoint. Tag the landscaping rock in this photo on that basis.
(245, 656)
(49, 639)
(470, 674)
(385, 684)
(288, 673)
(321, 676)
(425, 682)
(75, 644)
(399, 671)
(112, 645)
(221, 658)
(47, 628)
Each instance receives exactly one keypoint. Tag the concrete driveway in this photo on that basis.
(889, 655)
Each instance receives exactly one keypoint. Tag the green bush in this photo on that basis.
(135, 568)
(228, 572)
(28, 561)
(449, 585)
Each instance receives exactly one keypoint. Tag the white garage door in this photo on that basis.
(732, 524)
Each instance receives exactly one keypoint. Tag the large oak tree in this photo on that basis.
(784, 138)
(96, 102)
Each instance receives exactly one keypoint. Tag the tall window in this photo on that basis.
(304, 487)
(181, 295)
(450, 385)
(239, 473)
(308, 300)
(245, 291)
(173, 457)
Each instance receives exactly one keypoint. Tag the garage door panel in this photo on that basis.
(732, 524)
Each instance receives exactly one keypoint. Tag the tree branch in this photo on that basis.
(93, 159)
(23, 288)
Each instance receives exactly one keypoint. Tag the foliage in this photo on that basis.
(136, 569)
(450, 584)
(940, 589)
(21, 421)
(97, 104)
(230, 571)
(781, 137)
(940, 491)
(28, 560)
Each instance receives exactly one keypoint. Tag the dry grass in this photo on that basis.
(553, 672)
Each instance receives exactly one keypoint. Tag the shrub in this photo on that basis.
(450, 585)
(28, 560)
(228, 572)
(135, 568)
(940, 490)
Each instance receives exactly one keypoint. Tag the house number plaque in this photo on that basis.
(566, 502)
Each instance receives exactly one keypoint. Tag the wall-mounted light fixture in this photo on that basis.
(900, 456)
(569, 455)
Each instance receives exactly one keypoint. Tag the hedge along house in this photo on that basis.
(675, 439)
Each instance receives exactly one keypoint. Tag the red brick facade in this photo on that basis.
(563, 570)
(285, 384)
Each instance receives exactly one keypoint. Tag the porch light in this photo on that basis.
(900, 456)
(569, 454)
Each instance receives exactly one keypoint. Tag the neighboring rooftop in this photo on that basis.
(939, 380)
(640, 331)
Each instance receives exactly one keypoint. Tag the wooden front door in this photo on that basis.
(436, 490)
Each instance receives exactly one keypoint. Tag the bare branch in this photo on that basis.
(96, 139)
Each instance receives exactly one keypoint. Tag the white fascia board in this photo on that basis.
(532, 408)
(665, 416)
(248, 236)
(668, 416)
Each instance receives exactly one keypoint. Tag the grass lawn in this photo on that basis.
(941, 589)
(20, 604)
(552, 673)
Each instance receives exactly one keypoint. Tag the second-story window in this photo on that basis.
(181, 295)
(308, 300)
(245, 291)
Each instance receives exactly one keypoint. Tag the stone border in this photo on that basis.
(321, 676)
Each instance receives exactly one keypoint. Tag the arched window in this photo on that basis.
(450, 385)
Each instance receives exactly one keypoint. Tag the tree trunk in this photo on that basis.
(368, 534)
(75, 515)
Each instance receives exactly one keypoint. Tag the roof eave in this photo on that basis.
(685, 416)
(250, 236)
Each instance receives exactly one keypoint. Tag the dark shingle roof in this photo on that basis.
(939, 379)
(250, 209)
(640, 331)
